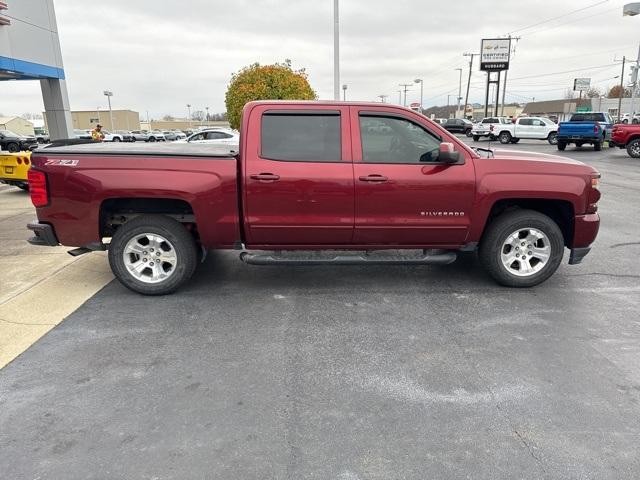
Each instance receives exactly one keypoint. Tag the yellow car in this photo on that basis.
(14, 168)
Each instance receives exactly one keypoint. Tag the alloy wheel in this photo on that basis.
(525, 252)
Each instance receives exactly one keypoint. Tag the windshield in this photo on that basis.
(9, 133)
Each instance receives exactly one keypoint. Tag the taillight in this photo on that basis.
(19, 160)
(26, 161)
(596, 128)
(38, 188)
(594, 193)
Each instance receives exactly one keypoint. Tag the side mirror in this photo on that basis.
(448, 153)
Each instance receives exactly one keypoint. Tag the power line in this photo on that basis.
(569, 22)
(559, 16)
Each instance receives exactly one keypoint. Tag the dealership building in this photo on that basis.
(30, 50)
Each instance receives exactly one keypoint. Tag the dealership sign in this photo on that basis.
(494, 54)
(581, 84)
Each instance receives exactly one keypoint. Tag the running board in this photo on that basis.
(425, 257)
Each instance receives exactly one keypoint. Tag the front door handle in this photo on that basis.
(373, 178)
(265, 177)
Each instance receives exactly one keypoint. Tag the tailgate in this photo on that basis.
(577, 129)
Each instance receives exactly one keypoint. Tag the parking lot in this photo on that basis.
(334, 372)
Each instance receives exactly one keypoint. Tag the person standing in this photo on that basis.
(96, 134)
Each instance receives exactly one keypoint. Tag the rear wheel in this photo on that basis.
(116, 139)
(153, 255)
(152, 139)
(553, 138)
(522, 248)
(561, 145)
(476, 138)
(515, 140)
(633, 148)
(504, 137)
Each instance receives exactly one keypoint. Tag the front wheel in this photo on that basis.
(468, 133)
(522, 248)
(504, 137)
(13, 147)
(476, 138)
(552, 138)
(633, 148)
(153, 255)
(116, 139)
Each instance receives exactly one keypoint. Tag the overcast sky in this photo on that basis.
(159, 55)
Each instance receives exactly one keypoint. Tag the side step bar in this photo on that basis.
(427, 257)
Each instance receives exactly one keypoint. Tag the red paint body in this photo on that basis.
(317, 205)
(623, 134)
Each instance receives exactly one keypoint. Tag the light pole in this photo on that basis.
(382, 97)
(633, 9)
(189, 110)
(336, 51)
(421, 82)
(459, 92)
(399, 97)
(207, 109)
(109, 94)
(344, 92)
(448, 103)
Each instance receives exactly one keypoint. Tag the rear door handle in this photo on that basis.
(265, 177)
(373, 178)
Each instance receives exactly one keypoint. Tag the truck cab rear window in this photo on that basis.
(300, 137)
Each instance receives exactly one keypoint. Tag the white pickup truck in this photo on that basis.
(532, 128)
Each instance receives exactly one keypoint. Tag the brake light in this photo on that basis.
(38, 188)
(19, 160)
(26, 161)
(596, 128)
(594, 194)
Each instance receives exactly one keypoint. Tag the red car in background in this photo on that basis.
(627, 136)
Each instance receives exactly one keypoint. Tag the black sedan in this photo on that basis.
(458, 125)
(13, 142)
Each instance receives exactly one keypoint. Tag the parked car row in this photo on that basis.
(13, 142)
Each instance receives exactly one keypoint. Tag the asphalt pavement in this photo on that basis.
(346, 372)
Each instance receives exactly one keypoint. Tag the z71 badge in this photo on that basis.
(62, 162)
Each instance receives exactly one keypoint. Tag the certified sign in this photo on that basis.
(494, 54)
(581, 84)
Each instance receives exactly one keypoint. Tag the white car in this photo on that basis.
(626, 116)
(220, 136)
(485, 127)
(533, 128)
(112, 137)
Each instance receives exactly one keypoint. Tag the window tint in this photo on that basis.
(301, 137)
(200, 136)
(396, 140)
(537, 123)
(525, 121)
(216, 135)
(588, 117)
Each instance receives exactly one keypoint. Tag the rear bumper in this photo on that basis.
(43, 235)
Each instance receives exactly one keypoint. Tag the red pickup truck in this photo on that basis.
(315, 183)
(627, 136)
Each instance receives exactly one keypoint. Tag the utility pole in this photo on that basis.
(336, 51)
(207, 109)
(406, 89)
(189, 110)
(382, 97)
(466, 98)
(504, 87)
(399, 97)
(459, 93)
(634, 87)
(624, 59)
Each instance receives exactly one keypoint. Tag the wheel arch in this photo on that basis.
(562, 212)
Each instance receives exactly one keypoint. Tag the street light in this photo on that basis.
(449, 103)
(633, 9)
(382, 97)
(344, 92)
(207, 109)
(459, 92)
(109, 94)
(189, 110)
(421, 82)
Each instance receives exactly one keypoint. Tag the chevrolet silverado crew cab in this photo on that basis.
(326, 183)
(531, 128)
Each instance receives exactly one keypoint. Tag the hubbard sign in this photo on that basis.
(495, 54)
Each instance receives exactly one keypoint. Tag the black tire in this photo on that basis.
(152, 139)
(552, 138)
(181, 240)
(476, 138)
(515, 140)
(504, 137)
(597, 146)
(468, 132)
(116, 139)
(561, 146)
(498, 232)
(133, 139)
(13, 147)
(625, 121)
(633, 148)
(634, 121)
(579, 144)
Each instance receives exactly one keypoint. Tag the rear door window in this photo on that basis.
(301, 136)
